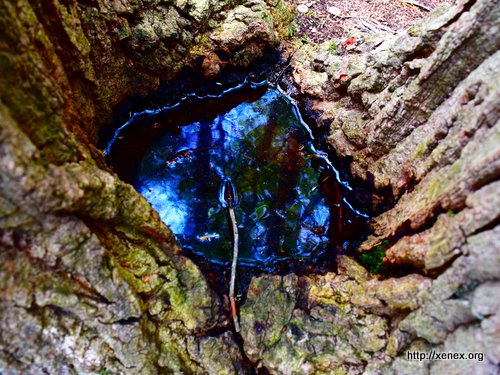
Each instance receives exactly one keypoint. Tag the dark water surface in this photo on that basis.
(288, 197)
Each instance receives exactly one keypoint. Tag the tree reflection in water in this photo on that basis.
(266, 152)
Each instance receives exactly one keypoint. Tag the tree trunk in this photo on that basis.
(91, 279)
(415, 118)
(93, 282)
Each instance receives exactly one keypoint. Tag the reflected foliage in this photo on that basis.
(287, 201)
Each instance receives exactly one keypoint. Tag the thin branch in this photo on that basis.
(417, 4)
(374, 25)
(234, 312)
(287, 64)
(228, 199)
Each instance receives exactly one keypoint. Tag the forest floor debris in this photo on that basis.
(322, 20)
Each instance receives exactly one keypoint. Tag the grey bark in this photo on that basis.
(91, 281)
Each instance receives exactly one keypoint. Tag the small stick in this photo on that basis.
(417, 4)
(227, 197)
(287, 64)
(234, 312)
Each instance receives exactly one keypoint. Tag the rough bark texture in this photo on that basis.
(91, 281)
(417, 115)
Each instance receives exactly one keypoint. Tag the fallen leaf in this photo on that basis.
(349, 42)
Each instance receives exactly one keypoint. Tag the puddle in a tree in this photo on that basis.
(251, 141)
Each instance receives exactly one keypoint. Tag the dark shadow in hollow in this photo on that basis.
(292, 213)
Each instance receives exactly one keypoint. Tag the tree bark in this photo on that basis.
(414, 116)
(91, 280)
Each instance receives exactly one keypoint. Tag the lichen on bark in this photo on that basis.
(91, 280)
(419, 123)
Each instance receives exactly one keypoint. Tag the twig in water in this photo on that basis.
(234, 312)
(227, 197)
